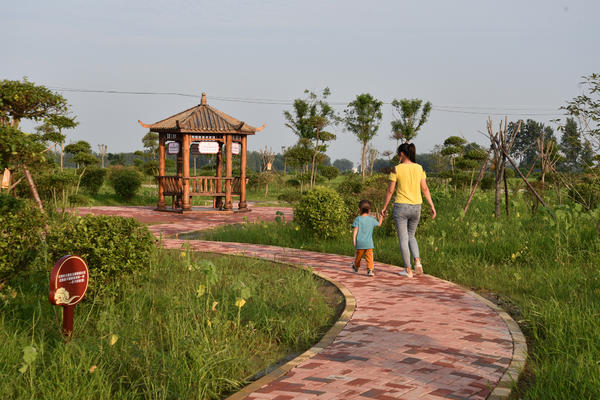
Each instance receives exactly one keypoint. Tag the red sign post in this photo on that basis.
(68, 284)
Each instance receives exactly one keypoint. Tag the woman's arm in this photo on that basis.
(388, 196)
(427, 195)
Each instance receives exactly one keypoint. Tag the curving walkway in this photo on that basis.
(421, 338)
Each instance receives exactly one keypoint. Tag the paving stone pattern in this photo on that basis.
(420, 338)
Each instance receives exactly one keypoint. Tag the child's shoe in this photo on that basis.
(370, 273)
(354, 268)
(406, 272)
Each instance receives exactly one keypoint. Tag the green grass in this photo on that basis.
(172, 331)
(544, 269)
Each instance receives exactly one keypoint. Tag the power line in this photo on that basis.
(523, 110)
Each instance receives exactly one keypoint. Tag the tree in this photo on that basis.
(525, 146)
(52, 128)
(407, 126)
(586, 108)
(362, 118)
(328, 171)
(311, 116)
(343, 164)
(150, 141)
(453, 147)
(570, 145)
(25, 100)
(102, 151)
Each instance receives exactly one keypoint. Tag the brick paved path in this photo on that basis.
(420, 338)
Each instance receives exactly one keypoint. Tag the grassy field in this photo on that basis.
(543, 269)
(191, 326)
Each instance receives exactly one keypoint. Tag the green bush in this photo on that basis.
(92, 179)
(110, 245)
(586, 193)
(352, 184)
(125, 182)
(329, 171)
(78, 200)
(21, 225)
(290, 196)
(322, 212)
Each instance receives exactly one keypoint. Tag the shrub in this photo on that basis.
(125, 182)
(292, 183)
(21, 227)
(290, 196)
(352, 184)
(110, 245)
(321, 211)
(586, 193)
(78, 200)
(92, 179)
(329, 171)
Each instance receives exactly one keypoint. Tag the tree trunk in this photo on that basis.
(498, 188)
(479, 178)
(32, 187)
(362, 166)
(61, 155)
(505, 187)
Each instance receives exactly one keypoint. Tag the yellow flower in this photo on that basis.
(214, 306)
(93, 368)
(200, 291)
(240, 303)
(113, 339)
(182, 254)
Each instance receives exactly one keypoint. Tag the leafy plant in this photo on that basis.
(111, 246)
(125, 182)
(20, 235)
(93, 178)
(321, 211)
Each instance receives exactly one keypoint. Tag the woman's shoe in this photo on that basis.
(419, 269)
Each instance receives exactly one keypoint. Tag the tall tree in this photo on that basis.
(453, 148)
(406, 127)
(362, 118)
(52, 131)
(343, 164)
(310, 118)
(150, 141)
(570, 145)
(525, 146)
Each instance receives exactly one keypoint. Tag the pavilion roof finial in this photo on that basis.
(203, 102)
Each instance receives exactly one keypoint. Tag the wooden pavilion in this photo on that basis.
(202, 130)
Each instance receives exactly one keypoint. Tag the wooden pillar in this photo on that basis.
(162, 154)
(218, 200)
(228, 172)
(186, 171)
(178, 202)
(243, 160)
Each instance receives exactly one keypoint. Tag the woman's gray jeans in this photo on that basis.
(406, 218)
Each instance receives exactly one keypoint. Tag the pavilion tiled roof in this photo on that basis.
(202, 119)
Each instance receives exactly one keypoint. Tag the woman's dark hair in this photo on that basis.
(365, 206)
(409, 150)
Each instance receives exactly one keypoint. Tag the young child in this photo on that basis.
(362, 236)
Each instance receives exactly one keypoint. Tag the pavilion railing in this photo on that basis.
(199, 185)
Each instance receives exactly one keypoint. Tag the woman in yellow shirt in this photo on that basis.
(408, 181)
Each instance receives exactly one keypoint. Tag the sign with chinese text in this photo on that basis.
(68, 281)
(173, 148)
(205, 148)
(236, 148)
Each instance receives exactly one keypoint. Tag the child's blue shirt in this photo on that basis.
(364, 237)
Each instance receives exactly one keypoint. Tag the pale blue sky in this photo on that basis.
(488, 56)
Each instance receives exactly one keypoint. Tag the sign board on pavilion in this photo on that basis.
(173, 148)
(204, 148)
(236, 148)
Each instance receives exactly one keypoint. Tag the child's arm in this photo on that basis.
(354, 233)
(380, 219)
